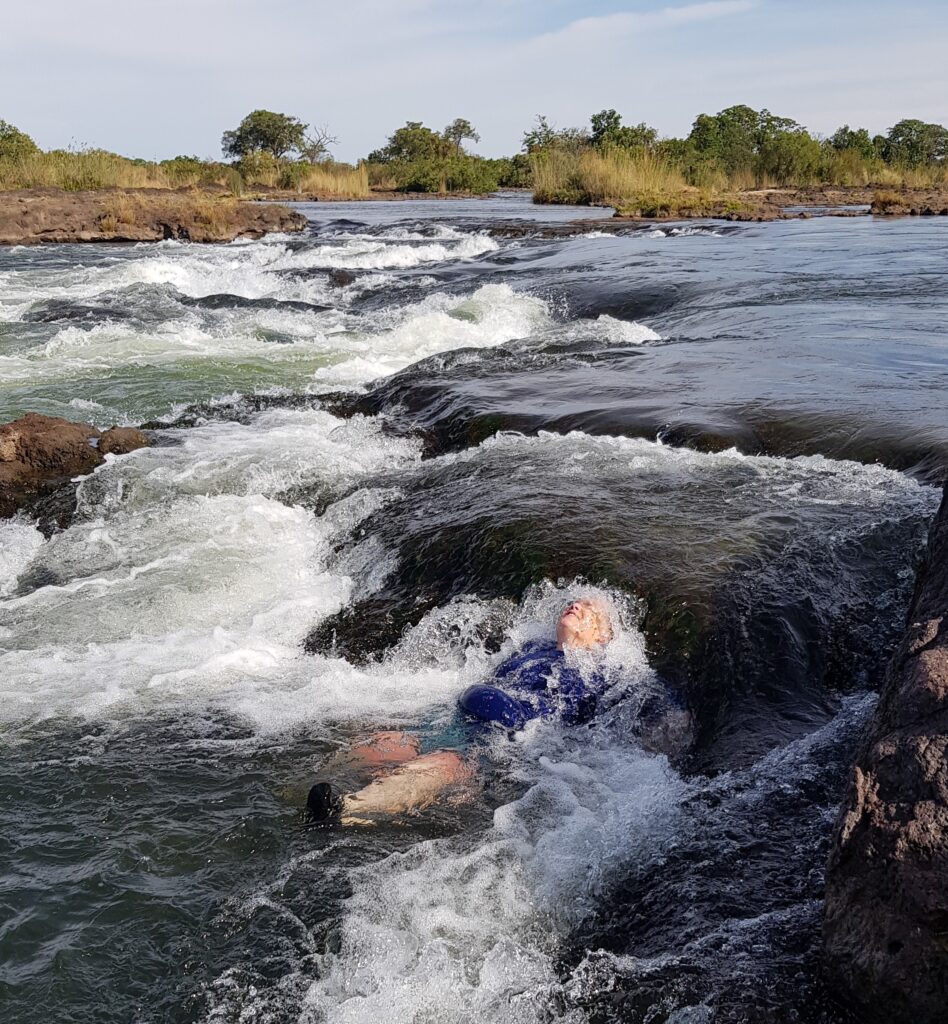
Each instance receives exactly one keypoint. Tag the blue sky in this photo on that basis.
(154, 78)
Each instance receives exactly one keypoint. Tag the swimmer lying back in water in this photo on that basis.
(534, 683)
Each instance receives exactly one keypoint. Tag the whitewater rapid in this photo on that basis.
(193, 572)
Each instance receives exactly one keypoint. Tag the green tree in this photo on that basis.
(741, 139)
(544, 135)
(608, 130)
(459, 130)
(790, 157)
(411, 142)
(263, 131)
(541, 135)
(913, 143)
(14, 143)
(729, 137)
(856, 140)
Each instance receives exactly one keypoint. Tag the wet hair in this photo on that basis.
(601, 613)
(320, 804)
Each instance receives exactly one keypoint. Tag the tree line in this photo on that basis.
(743, 146)
(737, 147)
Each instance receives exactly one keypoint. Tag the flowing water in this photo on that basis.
(361, 497)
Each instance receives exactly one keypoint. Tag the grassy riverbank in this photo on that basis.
(641, 183)
(91, 169)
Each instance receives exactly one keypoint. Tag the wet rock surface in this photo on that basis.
(38, 452)
(886, 923)
(32, 216)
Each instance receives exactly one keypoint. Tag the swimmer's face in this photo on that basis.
(584, 624)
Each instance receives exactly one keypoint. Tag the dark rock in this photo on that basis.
(38, 451)
(341, 278)
(886, 919)
(225, 300)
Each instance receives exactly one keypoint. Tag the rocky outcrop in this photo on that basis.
(38, 451)
(886, 923)
(910, 202)
(32, 216)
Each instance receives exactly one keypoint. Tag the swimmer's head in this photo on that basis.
(584, 624)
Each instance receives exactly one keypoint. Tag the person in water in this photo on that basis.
(536, 682)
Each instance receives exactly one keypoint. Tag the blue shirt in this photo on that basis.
(536, 682)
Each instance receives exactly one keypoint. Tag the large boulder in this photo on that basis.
(886, 923)
(40, 451)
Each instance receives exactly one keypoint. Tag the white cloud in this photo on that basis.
(612, 27)
(155, 78)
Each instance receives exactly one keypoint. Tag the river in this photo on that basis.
(365, 493)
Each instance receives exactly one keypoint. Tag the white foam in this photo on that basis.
(804, 480)
(492, 315)
(373, 253)
(251, 269)
(19, 543)
(186, 580)
(683, 232)
(331, 349)
(624, 332)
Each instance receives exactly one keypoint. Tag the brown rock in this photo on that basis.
(39, 451)
(886, 919)
(30, 216)
(121, 441)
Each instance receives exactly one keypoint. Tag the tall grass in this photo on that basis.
(640, 180)
(609, 178)
(90, 169)
(78, 170)
(333, 179)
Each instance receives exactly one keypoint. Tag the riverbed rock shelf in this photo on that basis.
(33, 216)
(38, 452)
(886, 918)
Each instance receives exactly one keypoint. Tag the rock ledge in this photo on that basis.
(34, 216)
(886, 921)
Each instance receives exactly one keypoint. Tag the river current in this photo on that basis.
(363, 494)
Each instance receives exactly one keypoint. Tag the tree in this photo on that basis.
(728, 137)
(857, 140)
(411, 142)
(608, 130)
(459, 130)
(14, 143)
(316, 143)
(789, 157)
(263, 131)
(913, 143)
(740, 138)
(543, 135)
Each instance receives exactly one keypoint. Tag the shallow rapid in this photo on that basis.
(366, 489)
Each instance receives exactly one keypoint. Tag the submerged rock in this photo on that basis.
(886, 923)
(38, 451)
(339, 278)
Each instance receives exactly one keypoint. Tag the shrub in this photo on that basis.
(14, 143)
